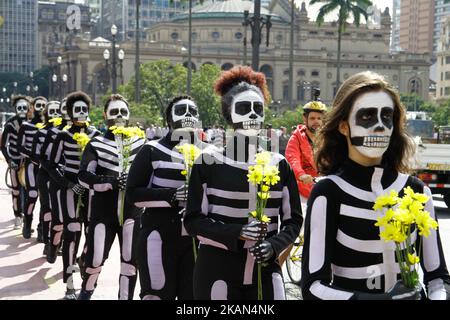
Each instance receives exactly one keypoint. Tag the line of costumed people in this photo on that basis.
(195, 221)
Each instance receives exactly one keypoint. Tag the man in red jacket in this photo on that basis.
(299, 150)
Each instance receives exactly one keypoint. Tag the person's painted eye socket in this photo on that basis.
(258, 107)
(124, 112)
(243, 107)
(180, 109)
(114, 112)
(193, 111)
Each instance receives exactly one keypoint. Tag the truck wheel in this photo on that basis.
(447, 200)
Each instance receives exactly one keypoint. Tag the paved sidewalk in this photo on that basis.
(24, 271)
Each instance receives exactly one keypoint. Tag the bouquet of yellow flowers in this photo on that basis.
(190, 153)
(263, 176)
(55, 121)
(400, 215)
(124, 139)
(82, 139)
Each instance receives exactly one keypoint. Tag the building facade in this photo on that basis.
(395, 35)
(441, 12)
(58, 23)
(417, 26)
(18, 37)
(443, 63)
(218, 38)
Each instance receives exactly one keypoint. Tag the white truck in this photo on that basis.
(433, 163)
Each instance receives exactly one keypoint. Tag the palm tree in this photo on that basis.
(347, 8)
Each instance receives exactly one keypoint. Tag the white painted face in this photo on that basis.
(184, 114)
(371, 123)
(22, 108)
(80, 111)
(117, 113)
(247, 112)
(39, 105)
(63, 109)
(53, 108)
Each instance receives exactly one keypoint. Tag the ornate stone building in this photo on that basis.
(218, 38)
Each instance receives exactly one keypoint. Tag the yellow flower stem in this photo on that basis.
(400, 262)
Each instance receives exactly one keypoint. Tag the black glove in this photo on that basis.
(13, 165)
(262, 251)
(77, 188)
(122, 181)
(255, 230)
(397, 292)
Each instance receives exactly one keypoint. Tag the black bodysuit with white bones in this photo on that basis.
(220, 199)
(43, 179)
(99, 172)
(25, 139)
(165, 252)
(65, 151)
(10, 150)
(12, 156)
(344, 257)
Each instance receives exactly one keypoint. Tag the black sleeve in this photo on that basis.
(138, 190)
(87, 175)
(321, 227)
(46, 149)
(5, 142)
(36, 148)
(290, 211)
(197, 221)
(21, 141)
(56, 157)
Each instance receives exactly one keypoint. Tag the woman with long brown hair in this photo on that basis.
(364, 151)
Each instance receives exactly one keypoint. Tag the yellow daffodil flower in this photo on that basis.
(263, 195)
(263, 158)
(81, 139)
(40, 125)
(265, 219)
(413, 259)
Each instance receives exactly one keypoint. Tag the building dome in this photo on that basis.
(224, 10)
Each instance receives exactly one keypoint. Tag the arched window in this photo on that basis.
(415, 86)
(226, 66)
(302, 87)
(268, 72)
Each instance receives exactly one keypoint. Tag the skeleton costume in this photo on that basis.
(56, 224)
(165, 252)
(25, 139)
(218, 206)
(51, 111)
(99, 171)
(66, 151)
(344, 256)
(10, 150)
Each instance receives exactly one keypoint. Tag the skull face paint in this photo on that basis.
(247, 112)
(184, 114)
(39, 105)
(22, 108)
(80, 111)
(63, 109)
(117, 113)
(53, 108)
(371, 123)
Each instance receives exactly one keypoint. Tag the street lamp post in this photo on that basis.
(120, 56)
(245, 24)
(113, 67)
(189, 75)
(15, 88)
(64, 80)
(31, 82)
(257, 23)
(59, 60)
(54, 81)
(291, 56)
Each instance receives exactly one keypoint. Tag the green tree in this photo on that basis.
(288, 119)
(441, 116)
(161, 81)
(346, 8)
(203, 94)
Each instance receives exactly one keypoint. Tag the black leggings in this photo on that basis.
(45, 214)
(31, 195)
(165, 258)
(227, 275)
